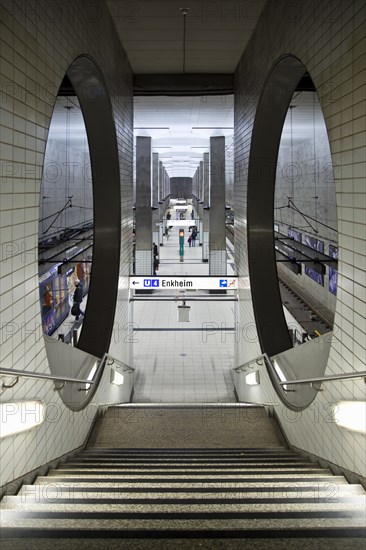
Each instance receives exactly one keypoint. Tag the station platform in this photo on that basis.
(184, 362)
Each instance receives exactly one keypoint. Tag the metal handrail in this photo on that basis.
(265, 356)
(255, 359)
(345, 376)
(107, 356)
(32, 374)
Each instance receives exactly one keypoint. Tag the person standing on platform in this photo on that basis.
(155, 266)
(194, 236)
(77, 298)
(155, 250)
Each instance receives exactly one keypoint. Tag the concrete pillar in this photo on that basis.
(217, 230)
(155, 180)
(155, 200)
(143, 252)
(165, 184)
(160, 189)
(206, 206)
(161, 204)
(200, 211)
(195, 193)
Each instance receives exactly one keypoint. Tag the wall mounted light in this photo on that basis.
(253, 379)
(20, 416)
(351, 415)
(116, 378)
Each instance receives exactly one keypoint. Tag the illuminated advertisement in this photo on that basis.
(333, 273)
(314, 243)
(294, 235)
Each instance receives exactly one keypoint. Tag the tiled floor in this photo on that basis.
(183, 361)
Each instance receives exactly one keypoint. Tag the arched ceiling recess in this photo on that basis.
(270, 115)
(88, 84)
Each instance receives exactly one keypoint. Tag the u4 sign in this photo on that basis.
(189, 283)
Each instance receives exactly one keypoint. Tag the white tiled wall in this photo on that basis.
(38, 42)
(329, 38)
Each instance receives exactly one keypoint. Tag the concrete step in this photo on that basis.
(184, 477)
(189, 427)
(189, 451)
(139, 541)
(54, 492)
(186, 466)
(189, 460)
(167, 506)
(217, 480)
(67, 472)
(166, 451)
(184, 522)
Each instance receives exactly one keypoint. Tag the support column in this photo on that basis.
(195, 194)
(143, 206)
(206, 206)
(167, 191)
(160, 186)
(200, 211)
(217, 231)
(155, 201)
(161, 204)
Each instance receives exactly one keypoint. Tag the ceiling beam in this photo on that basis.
(191, 84)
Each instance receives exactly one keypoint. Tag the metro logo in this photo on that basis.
(151, 283)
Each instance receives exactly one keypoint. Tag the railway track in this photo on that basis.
(305, 312)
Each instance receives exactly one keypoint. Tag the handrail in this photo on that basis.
(255, 359)
(32, 374)
(345, 376)
(107, 356)
(265, 356)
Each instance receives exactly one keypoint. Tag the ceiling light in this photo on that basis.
(20, 416)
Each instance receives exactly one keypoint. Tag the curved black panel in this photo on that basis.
(269, 119)
(96, 107)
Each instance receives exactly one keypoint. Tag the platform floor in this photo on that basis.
(183, 362)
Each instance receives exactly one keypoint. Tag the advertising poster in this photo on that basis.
(314, 243)
(333, 273)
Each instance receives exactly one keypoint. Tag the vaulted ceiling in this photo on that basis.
(216, 33)
(209, 39)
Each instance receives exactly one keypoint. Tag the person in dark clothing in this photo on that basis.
(168, 216)
(78, 293)
(155, 266)
(77, 298)
(194, 236)
(155, 250)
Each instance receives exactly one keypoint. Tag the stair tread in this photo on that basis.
(147, 542)
(215, 472)
(219, 451)
(265, 482)
(255, 523)
(165, 506)
(41, 491)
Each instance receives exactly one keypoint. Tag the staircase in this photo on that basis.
(158, 496)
